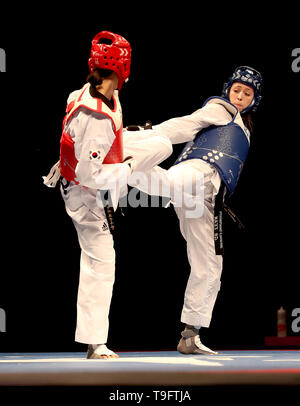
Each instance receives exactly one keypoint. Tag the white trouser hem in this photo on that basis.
(90, 340)
(195, 319)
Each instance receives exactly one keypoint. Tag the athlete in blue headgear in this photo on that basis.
(218, 139)
(252, 79)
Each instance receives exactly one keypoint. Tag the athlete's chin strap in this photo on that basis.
(220, 207)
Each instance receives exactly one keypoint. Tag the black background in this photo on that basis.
(180, 57)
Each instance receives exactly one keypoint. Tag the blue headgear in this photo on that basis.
(249, 77)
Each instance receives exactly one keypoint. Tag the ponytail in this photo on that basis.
(96, 77)
(247, 119)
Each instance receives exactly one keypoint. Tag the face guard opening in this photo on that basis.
(250, 77)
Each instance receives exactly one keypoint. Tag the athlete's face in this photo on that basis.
(241, 95)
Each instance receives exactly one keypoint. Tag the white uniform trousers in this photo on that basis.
(97, 273)
(147, 148)
(197, 229)
(205, 266)
(97, 263)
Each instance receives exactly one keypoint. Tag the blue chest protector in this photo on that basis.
(225, 147)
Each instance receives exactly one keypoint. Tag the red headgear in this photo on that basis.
(111, 51)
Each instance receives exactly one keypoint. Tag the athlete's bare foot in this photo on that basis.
(100, 352)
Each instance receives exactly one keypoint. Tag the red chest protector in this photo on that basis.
(68, 159)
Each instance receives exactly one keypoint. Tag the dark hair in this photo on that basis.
(247, 119)
(96, 77)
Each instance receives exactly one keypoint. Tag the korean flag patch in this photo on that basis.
(94, 155)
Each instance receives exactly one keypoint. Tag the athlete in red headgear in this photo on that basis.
(111, 51)
(92, 163)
